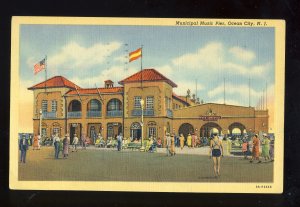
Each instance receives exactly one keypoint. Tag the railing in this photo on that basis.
(49, 115)
(94, 113)
(169, 113)
(74, 114)
(146, 112)
(115, 113)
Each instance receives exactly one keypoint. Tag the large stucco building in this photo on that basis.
(110, 110)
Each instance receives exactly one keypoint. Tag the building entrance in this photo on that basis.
(209, 128)
(135, 131)
(186, 129)
(75, 128)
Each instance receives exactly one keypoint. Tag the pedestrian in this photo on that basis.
(75, 143)
(39, 142)
(225, 144)
(83, 141)
(189, 140)
(216, 149)
(119, 139)
(245, 148)
(168, 144)
(35, 145)
(23, 146)
(193, 140)
(181, 139)
(265, 147)
(56, 141)
(172, 149)
(66, 142)
(255, 149)
(272, 149)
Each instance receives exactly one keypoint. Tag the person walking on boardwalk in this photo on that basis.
(245, 148)
(172, 149)
(83, 141)
(181, 139)
(119, 139)
(168, 144)
(75, 143)
(35, 144)
(255, 149)
(266, 147)
(272, 149)
(56, 141)
(193, 140)
(23, 146)
(216, 150)
(66, 142)
(189, 140)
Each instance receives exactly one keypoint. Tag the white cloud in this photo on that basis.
(209, 56)
(242, 54)
(75, 56)
(213, 57)
(241, 90)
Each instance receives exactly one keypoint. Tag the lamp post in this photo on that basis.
(41, 115)
(142, 123)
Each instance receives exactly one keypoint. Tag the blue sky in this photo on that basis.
(88, 55)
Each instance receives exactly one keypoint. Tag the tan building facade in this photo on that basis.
(61, 106)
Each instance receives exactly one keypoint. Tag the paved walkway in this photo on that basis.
(191, 151)
(107, 164)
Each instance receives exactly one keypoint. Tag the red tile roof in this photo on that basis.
(180, 98)
(94, 90)
(54, 82)
(148, 75)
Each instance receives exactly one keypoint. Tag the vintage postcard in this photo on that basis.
(147, 104)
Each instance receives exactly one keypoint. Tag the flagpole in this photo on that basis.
(224, 91)
(46, 73)
(266, 95)
(142, 67)
(249, 93)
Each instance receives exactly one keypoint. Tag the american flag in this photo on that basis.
(39, 66)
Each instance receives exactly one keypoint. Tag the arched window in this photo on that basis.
(114, 105)
(94, 105)
(75, 105)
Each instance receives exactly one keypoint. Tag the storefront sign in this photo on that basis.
(209, 118)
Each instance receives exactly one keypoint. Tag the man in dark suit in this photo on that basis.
(23, 146)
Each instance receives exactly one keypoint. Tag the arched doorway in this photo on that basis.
(135, 131)
(208, 129)
(236, 129)
(185, 129)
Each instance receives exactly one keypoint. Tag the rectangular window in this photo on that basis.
(56, 130)
(44, 132)
(152, 132)
(137, 102)
(54, 106)
(44, 106)
(150, 102)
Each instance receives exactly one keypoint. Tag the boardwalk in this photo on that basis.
(189, 165)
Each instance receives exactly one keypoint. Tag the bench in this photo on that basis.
(133, 146)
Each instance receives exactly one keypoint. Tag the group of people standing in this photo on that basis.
(267, 149)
